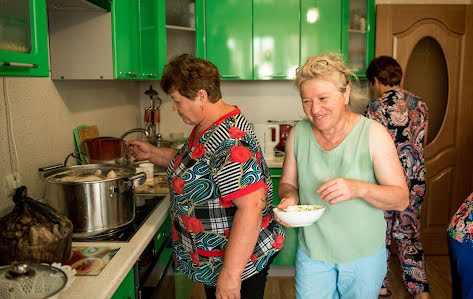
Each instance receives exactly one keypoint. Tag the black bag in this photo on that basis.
(34, 232)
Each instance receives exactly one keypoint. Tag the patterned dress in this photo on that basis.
(224, 164)
(405, 116)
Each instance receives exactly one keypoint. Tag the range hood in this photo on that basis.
(104, 5)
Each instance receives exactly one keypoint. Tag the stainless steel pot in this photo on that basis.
(93, 206)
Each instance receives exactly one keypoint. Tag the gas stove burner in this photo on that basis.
(126, 232)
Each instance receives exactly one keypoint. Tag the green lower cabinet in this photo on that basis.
(287, 255)
(126, 290)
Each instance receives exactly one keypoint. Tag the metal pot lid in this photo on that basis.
(90, 173)
(26, 281)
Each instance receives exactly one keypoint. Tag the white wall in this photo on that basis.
(43, 116)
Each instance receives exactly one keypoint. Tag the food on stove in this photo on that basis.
(98, 172)
(111, 175)
(98, 176)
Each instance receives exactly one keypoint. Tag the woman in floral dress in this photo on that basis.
(460, 247)
(405, 116)
(223, 229)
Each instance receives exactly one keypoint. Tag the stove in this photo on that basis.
(125, 233)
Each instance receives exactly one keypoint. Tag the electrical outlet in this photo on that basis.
(11, 184)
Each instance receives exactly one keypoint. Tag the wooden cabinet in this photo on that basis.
(228, 32)
(275, 39)
(287, 255)
(23, 38)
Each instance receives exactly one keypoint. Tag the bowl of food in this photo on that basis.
(300, 215)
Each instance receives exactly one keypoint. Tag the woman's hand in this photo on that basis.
(228, 286)
(338, 190)
(141, 150)
(284, 204)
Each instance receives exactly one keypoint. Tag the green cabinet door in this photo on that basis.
(153, 38)
(126, 39)
(23, 38)
(287, 255)
(321, 27)
(126, 290)
(228, 38)
(276, 39)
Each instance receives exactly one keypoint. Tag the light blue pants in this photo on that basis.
(361, 278)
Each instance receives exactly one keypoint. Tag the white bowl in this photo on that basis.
(301, 215)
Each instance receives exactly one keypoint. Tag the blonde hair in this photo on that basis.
(330, 67)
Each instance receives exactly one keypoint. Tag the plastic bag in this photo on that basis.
(34, 232)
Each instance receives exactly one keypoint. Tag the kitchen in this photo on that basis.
(41, 114)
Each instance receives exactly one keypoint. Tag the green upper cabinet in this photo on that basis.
(321, 27)
(23, 38)
(229, 37)
(359, 31)
(153, 38)
(126, 39)
(276, 39)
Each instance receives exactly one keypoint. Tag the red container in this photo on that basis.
(102, 150)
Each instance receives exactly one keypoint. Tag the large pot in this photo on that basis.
(94, 206)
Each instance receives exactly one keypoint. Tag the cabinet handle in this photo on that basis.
(276, 176)
(19, 64)
(230, 76)
(132, 73)
(277, 76)
(152, 75)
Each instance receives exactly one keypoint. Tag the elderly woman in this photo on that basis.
(224, 233)
(347, 163)
(406, 118)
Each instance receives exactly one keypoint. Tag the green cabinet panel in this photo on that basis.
(228, 38)
(287, 255)
(321, 27)
(152, 38)
(23, 38)
(276, 39)
(126, 290)
(126, 39)
(163, 232)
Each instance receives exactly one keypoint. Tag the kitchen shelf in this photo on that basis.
(173, 27)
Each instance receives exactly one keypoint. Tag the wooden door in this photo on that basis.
(400, 29)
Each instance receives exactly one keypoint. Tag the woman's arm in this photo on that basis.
(241, 242)
(160, 156)
(391, 192)
(288, 186)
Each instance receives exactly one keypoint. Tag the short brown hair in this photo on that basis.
(386, 69)
(188, 75)
(329, 67)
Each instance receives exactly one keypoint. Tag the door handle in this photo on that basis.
(230, 76)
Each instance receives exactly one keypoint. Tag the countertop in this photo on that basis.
(105, 284)
(275, 162)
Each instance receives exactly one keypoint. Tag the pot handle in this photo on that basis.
(78, 157)
(137, 179)
(42, 170)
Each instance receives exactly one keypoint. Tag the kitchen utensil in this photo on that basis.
(301, 215)
(94, 206)
(268, 137)
(81, 133)
(27, 281)
(103, 150)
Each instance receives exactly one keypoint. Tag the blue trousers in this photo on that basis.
(461, 264)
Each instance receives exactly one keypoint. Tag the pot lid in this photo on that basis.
(26, 281)
(88, 173)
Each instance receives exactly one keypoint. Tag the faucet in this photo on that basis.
(136, 130)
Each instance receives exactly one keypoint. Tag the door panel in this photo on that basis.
(400, 28)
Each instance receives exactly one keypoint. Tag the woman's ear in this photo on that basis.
(346, 95)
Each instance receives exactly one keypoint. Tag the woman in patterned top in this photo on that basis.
(224, 233)
(405, 116)
(460, 248)
(347, 163)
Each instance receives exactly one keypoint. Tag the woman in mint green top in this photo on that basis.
(349, 164)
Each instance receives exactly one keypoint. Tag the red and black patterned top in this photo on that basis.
(405, 116)
(225, 163)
